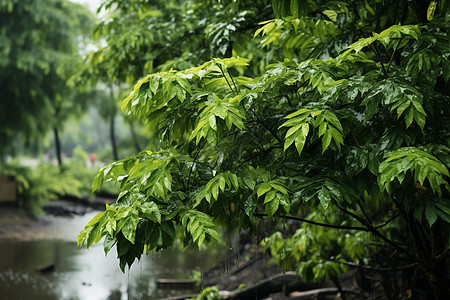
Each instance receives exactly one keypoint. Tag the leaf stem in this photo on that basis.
(224, 76)
(374, 231)
(232, 80)
(393, 53)
(375, 49)
(365, 213)
(193, 163)
(267, 128)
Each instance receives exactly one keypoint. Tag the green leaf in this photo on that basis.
(300, 141)
(269, 196)
(322, 129)
(409, 116)
(326, 140)
(430, 214)
(272, 206)
(298, 112)
(420, 119)
(212, 122)
(108, 243)
(154, 83)
(431, 9)
(263, 188)
(324, 197)
(421, 163)
(250, 205)
(129, 227)
(331, 14)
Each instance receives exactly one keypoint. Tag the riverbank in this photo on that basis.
(242, 274)
(17, 224)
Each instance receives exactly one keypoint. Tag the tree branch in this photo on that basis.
(369, 222)
(370, 268)
(267, 128)
(374, 231)
(193, 163)
(224, 76)
(387, 222)
(316, 223)
(375, 49)
(234, 83)
(393, 53)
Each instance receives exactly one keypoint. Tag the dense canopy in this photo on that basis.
(344, 132)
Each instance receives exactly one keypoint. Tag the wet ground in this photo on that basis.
(39, 259)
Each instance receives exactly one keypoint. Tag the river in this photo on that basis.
(77, 273)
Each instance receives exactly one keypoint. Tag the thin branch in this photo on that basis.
(374, 231)
(193, 163)
(224, 76)
(365, 213)
(232, 80)
(267, 128)
(387, 222)
(375, 49)
(443, 256)
(393, 53)
(405, 267)
(315, 223)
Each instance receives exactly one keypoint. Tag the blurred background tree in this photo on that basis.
(35, 37)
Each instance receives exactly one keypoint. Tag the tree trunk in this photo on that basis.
(113, 138)
(134, 137)
(57, 146)
(427, 250)
(439, 281)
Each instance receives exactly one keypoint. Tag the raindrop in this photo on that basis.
(128, 284)
(238, 259)
(139, 278)
(201, 268)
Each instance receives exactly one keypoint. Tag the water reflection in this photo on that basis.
(76, 273)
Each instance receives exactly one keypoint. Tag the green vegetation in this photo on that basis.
(332, 122)
(39, 185)
(36, 37)
(35, 98)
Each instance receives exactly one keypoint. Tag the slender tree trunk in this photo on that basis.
(57, 146)
(112, 126)
(134, 137)
(113, 138)
(438, 279)
(435, 269)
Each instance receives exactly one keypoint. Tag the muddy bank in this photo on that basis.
(244, 272)
(16, 224)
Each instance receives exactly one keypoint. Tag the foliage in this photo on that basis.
(137, 37)
(40, 185)
(33, 92)
(209, 293)
(353, 145)
(77, 168)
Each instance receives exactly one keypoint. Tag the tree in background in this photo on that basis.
(347, 137)
(137, 37)
(35, 37)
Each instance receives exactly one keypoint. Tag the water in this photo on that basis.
(86, 274)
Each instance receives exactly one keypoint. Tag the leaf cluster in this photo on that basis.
(370, 156)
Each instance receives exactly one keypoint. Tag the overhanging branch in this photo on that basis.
(316, 223)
